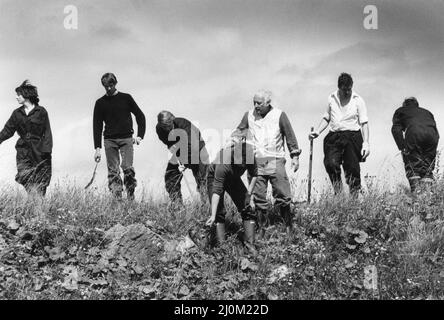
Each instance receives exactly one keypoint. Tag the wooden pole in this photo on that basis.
(310, 168)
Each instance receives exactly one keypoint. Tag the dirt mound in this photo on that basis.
(134, 242)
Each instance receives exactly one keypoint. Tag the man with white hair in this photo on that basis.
(268, 127)
(185, 142)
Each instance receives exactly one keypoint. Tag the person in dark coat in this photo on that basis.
(224, 176)
(185, 142)
(415, 133)
(34, 147)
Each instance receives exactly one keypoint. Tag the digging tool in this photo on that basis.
(310, 167)
(93, 177)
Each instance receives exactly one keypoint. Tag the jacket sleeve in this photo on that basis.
(219, 179)
(398, 129)
(288, 133)
(140, 118)
(9, 129)
(47, 136)
(97, 126)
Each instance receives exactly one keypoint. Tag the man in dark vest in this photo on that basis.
(415, 133)
(185, 143)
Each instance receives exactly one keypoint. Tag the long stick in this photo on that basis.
(310, 167)
(93, 176)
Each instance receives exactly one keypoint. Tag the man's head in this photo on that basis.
(410, 102)
(241, 152)
(165, 120)
(345, 85)
(26, 91)
(109, 82)
(261, 101)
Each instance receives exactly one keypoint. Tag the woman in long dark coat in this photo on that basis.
(34, 147)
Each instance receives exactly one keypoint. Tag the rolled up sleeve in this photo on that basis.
(362, 111)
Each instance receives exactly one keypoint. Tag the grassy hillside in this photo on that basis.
(82, 245)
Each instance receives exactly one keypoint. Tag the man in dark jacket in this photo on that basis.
(185, 142)
(114, 109)
(415, 133)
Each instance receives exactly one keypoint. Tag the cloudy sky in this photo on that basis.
(204, 60)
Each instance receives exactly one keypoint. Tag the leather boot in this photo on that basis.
(286, 215)
(249, 229)
(220, 233)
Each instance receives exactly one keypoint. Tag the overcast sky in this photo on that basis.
(204, 60)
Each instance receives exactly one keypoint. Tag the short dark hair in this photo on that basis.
(28, 91)
(109, 78)
(345, 79)
(410, 102)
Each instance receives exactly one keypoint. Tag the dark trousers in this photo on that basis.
(173, 178)
(237, 192)
(343, 148)
(419, 160)
(114, 149)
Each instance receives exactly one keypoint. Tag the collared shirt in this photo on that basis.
(346, 118)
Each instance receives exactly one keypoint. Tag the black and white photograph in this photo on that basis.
(242, 151)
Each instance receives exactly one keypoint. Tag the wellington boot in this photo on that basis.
(220, 233)
(286, 215)
(249, 229)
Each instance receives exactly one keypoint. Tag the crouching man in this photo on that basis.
(185, 142)
(415, 133)
(224, 175)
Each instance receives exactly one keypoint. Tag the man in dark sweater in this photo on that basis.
(114, 109)
(185, 142)
(415, 133)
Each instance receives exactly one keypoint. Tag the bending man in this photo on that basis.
(185, 142)
(224, 175)
(415, 133)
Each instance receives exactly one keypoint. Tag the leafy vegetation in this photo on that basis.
(83, 245)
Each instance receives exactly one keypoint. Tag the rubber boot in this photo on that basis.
(220, 233)
(249, 229)
(262, 219)
(286, 215)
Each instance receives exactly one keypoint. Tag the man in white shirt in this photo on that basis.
(347, 143)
